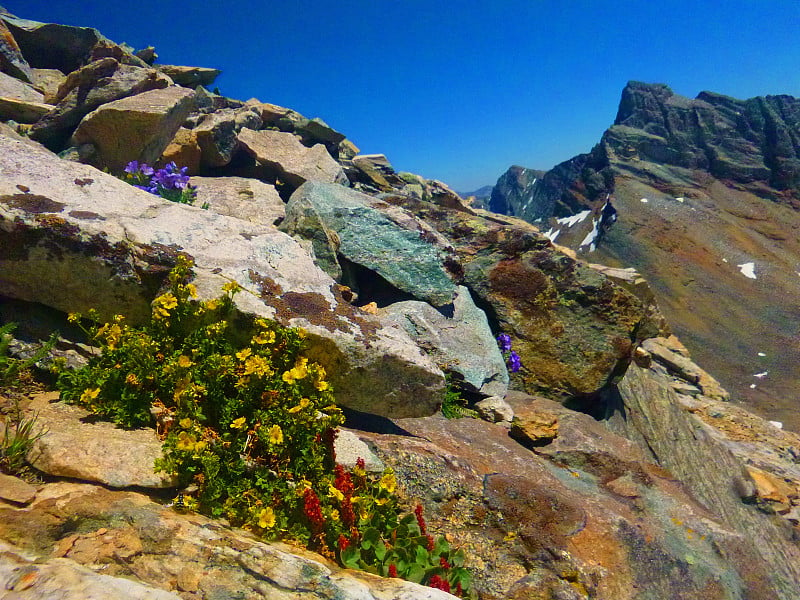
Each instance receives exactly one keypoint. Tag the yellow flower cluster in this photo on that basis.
(303, 403)
(163, 304)
(299, 371)
(266, 519)
(112, 334)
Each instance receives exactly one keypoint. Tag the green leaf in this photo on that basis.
(414, 573)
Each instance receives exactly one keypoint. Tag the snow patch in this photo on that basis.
(680, 199)
(724, 260)
(748, 270)
(752, 386)
(591, 237)
(761, 375)
(574, 219)
(645, 200)
(761, 354)
(551, 234)
(777, 424)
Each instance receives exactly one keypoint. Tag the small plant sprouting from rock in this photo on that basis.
(454, 405)
(248, 424)
(170, 182)
(513, 361)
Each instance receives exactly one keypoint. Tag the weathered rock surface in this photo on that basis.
(97, 452)
(102, 243)
(216, 134)
(90, 543)
(511, 193)
(463, 343)
(135, 128)
(282, 156)
(190, 77)
(97, 83)
(13, 88)
(183, 150)
(13, 489)
(22, 111)
(11, 59)
(369, 238)
(48, 81)
(573, 328)
(240, 197)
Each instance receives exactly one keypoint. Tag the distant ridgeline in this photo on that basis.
(701, 190)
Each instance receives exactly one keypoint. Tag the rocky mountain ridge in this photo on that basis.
(666, 490)
(704, 203)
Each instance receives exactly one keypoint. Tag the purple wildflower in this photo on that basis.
(504, 340)
(514, 362)
(132, 167)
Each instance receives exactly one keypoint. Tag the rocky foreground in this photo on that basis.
(610, 466)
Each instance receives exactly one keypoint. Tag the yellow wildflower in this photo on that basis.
(89, 395)
(190, 287)
(335, 493)
(334, 515)
(200, 446)
(73, 317)
(257, 365)
(321, 385)
(163, 304)
(211, 304)
(239, 423)
(301, 333)
(265, 337)
(275, 435)
(381, 501)
(266, 520)
(287, 377)
(303, 403)
(184, 361)
(185, 423)
(388, 482)
(231, 286)
(244, 353)
(131, 379)
(186, 441)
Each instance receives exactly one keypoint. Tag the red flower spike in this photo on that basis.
(430, 543)
(392, 570)
(313, 510)
(343, 543)
(361, 464)
(443, 562)
(459, 591)
(438, 583)
(420, 519)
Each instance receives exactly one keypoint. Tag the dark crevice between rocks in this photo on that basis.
(370, 286)
(362, 421)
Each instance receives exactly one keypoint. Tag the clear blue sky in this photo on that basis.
(459, 90)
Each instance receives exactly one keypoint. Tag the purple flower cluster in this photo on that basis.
(170, 182)
(513, 360)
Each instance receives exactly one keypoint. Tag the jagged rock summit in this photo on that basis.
(705, 202)
(664, 491)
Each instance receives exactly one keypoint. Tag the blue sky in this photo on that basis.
(459, 90)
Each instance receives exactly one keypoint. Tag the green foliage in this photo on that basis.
(248, 424)
(18, 439)
(11, 368)
(454, 406)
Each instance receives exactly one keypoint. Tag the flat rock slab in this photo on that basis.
(75, 447)
(241, 197)
(135, 128)
(283, 156)
(10, 87)
(79, 238)
(15, 490)
(216, 134)
(190, 76)
(22, 111)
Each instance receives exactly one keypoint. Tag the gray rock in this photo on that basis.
(102, 243)
(282, 156)
(11, 59)
(98, 83)
(494, 409)
(138, 127)
(48, 81)
(369, 238)
(11, 87)
(348, 448)
(463, 344)
(240, 197)
(216, 134)
(97, 451)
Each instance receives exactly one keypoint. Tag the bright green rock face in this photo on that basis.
(369, 238)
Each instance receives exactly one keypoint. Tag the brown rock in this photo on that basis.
(16, 490)
(135, 128)
(48, 81)
(769, 487)
(22, 111)
(282, 156)
(190, 76)
(184, 151)
(11, 59)
(534, 427)
(216, 134)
